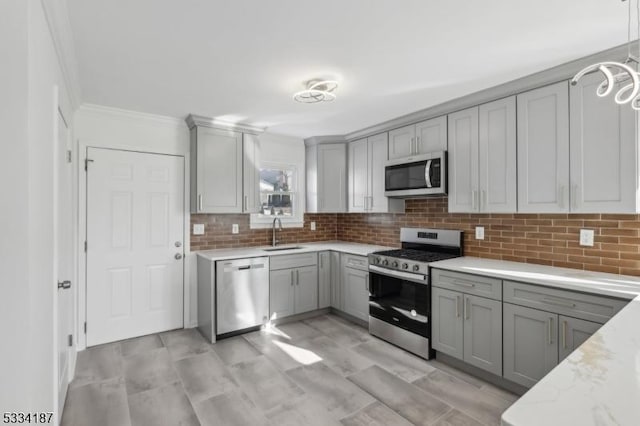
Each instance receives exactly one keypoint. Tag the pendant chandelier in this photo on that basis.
(317, 91)
(623, 73)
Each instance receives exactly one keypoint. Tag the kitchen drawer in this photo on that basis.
(467, 283)
(571, 303)
(287, 261)
(355, 261)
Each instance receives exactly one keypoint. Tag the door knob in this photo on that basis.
(178, 256)
(64, 284)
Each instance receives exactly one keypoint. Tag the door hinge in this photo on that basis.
(86, 163)
(85, 246)
(85, 327)
(69, 156)
(71, 340)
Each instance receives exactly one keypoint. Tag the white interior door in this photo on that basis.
(64, 242)
(135, 223)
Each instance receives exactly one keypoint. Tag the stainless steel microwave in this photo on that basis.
(416, 176)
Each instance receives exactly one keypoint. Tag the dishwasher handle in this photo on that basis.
(244, 267)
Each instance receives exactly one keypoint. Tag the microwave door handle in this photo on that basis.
(427, 173)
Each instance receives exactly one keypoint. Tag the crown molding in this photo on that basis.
(128, 114)
(543, 78)
(320, 140)
(57, 16)
(193, 120)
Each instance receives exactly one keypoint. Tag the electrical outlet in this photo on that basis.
(479, 232)
(234, 228)
(313, 226)
(198, 229)
(586, 237)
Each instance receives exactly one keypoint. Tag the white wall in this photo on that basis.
(28, 109)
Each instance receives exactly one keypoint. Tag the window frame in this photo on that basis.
(260, 221)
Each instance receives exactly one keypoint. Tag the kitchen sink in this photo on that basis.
(283, 248)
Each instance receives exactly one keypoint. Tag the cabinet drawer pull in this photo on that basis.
(550, 326)
(464, 284)
(558, 302)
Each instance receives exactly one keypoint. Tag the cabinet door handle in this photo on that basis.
(199, 202)
(467, 308)
(297, 277)
(483, 200)
(457, 306)
(561, 196)
(366, 283)
(321, 262)
(564, 334)
(417, 144)
(549, 331)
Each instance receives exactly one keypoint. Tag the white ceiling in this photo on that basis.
(241, 60)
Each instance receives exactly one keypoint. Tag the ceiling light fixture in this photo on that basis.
(317, 91)
(617, 72)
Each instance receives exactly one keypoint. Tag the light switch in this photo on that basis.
(586, 237)
(313, 226)
(198, 229)
(479, 232)
(234, 228)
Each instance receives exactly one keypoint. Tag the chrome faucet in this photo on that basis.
(275, 242)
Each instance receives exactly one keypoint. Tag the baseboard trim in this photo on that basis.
(349, 317)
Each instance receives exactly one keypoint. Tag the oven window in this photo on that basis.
(405, 176)
(402, 303)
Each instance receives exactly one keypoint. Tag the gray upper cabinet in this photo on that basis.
(326, 171)
(251, 173)
(420, 138)
(543, 150)
(401, 142)
(497, 155)
(463, 161)
(530, 344)
(483, 333)
(324, 279)
(482, 158)
(603, 151)
(447, 326)
(216, 171)
(573, 333)
(367, 158)
(355, 286)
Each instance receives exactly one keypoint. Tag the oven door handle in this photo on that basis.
(427, 174)
(398, 274)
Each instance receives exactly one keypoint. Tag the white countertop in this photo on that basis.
(340, 246)
(599, 383)
(614, 285)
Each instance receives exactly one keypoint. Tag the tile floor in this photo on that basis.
(321, 371)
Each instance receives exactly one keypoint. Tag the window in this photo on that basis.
(277, 192)
(279, 196)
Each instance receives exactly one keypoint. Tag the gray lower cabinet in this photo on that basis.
(324, 279)
(467, 327)
(293, 291)
(530, 343)
(336, 280)
(483, 333)
(573, 333)
(446, 323)
(355, 287)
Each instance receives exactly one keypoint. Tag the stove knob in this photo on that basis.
(405, 266)
(416, 268)
(385, 262)
(376, 260)
(394, 264)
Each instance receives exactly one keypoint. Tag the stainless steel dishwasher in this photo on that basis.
(242, 294)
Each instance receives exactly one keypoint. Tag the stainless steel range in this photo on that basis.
(400, 291)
